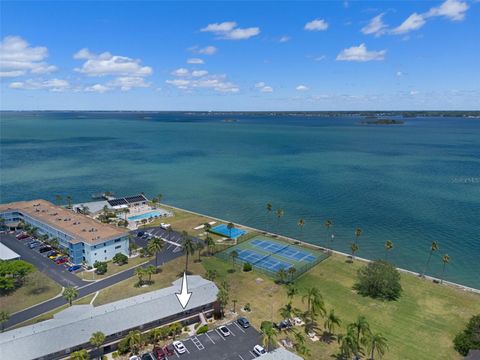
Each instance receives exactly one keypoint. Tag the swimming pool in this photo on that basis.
(147, 215)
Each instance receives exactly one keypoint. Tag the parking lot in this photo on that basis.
(213, 345)
(173, 239)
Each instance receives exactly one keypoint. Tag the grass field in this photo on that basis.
(114, 268)
(38, 288)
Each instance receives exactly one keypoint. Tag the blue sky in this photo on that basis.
(332, 55)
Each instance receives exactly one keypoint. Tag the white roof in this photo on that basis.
(7, 254)
(75, 325)
(280, 354)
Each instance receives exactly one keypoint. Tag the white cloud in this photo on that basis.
(217, 83)
(376, 26)
(228, 30)
(107, 64)
(126, 83)
(302, 88)
(267, 89)
(260, 84)
(452, 9)
(360, 53)
(316, 25)
(263, 87)
(195, 61)
(199, 73)
(18, 58)
(181, 72)
(207, 50)
(56, 85)
(414, 92)
(413, 22)
(400, 73)
(284, 39)
(98, 88)
(319, 58)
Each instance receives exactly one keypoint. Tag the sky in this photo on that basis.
(240, 55)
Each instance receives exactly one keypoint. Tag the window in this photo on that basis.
(95, 254)
(118, 240)
(105, 251)
(104, 244)
(118, 247)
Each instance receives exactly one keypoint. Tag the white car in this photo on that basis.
(224, 331)
(134, 357)
(178, 345)
(165, 226)
(257, 349)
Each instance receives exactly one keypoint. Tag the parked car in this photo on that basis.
(165, 226)
(53, 254)
(74, 268)
(284, 324)
(148, 356)
(243, 322)
(178, 345)
(134, 357)
(61, 261)
(224, 331)
(44, 249)
(169, 350)
(158, 352)
(22, 236)
(140, 233)
(34, 244)
(259, 350)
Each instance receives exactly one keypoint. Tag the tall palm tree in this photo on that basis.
(433, 248)
(140, 272)
(155, 246)
(286, 311)
(134, 340)
(269, 207)
(282, 274)
(188, 247)
(328, 224)
(159, 198)
(348, 344)
(268, 334)
(79, 355)
(353, 248)
(199, 247)
(70, 294)
(4, 317)
(376, 344)
(388, 246)
(69, 201)
(149, 271)
(291, 272)
(280, 213)
(292, 290)
(301, 224)
(210, 243)
(361, 328)
(445, 260)
(222, 298)
(230, 227)
(315, 303)
(207, 227)
(97, 339)
(234, 256)
(358, 233)
(331, 321)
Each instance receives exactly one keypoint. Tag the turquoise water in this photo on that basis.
(145, 216)
(412, 183)
(224, 230)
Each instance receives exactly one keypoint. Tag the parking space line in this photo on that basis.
(219, 334)
(254, 356)
(240, 356)
(213, 342)
(239, 327)
(231, 332)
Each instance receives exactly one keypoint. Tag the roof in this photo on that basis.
(80, 227)
(7, 254)
(281, 354)
(473, 355)
(75, 325)
(127, 200)
(93, 206)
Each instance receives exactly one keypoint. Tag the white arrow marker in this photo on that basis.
(184, 296)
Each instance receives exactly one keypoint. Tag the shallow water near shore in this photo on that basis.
(412, 184)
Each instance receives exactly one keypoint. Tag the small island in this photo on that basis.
(383, 122)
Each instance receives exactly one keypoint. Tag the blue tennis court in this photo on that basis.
(283, 250)
(223, 229)
(269, 246)
(249, 256)
(298, 255)
(274, 265)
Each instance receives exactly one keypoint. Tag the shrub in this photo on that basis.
(247, 267)
(247, 307)
(123, 347)
(469, 338)
(101, 267)
(202, 329)
(380, 280)
(120, 259)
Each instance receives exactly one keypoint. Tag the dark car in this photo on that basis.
(158, 352)
(22, 236)
(74, 268)
(140, 233)
(44, 249)
(284, 324)
(34, 244)
(51, 253)
(243, 322)
(169, 349)
(148, 356)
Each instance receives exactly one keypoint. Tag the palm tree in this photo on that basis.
(58, 199)
(446, 260)
(291, 272)
(134, 340)
(301, 224)
(360, 328)
(207, 227)
(188, 247)
(269, 209)
(210, 244)
(348, 345)
(280, 213)
(268, 334)
(154, 246)
(234, 256)
(282, 274)
(140, 272)
(79, 355)
(69, 201)
(230, 227)
(54, 243)
(291, 291)
(331, 321)
(199, 247)
(97, 339)
(70, 294)
(354, 249)
(149, 271)
(286, 311)
(358, 233)
(388, 246)
(211, 275)
(328, 224)
(222, 298)
(433, 248)
(159, 198)
(315, 303)
(376, 344)
(4, 317)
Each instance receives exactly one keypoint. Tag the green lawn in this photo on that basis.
(113, 268)
(38, 288)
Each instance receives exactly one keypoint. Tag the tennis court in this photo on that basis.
(223, 230)
(271, 256)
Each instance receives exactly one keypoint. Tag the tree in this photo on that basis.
(155, 246)
(291, 291)
(69, 201)
(188, 247)
(287, 310)
(140, 272)
(433, 248)
(210, 243)
(469, 338)
(268, 333)
(328, 224)
(4, 317)
(222, 298)
(230, 227)
(280, 213)
(379, 280)
(331, 321)
(199, 247)
(291, 272)
(70, 294)
(360, 328)
(445, 260)
(149, 271)
(269, 208)
(388, 246)
(120, 259)
(13, 274)
(348, 344)
(376, 344)
(58, 199)
(54, 243)
(211, 275)
(358, 233)
(97, 339)
(134, 341)
(79, 355)
(353, 249)
(101, 267)
(301, 224)
(282, 275)
(315, 303)
(175, 329)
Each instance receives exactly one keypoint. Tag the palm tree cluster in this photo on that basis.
(141, 272)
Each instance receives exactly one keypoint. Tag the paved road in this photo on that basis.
(58, 273)
(164, 256)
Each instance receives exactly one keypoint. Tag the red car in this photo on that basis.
(22, 236)
(159, 353)
(169, 350)
(61, 261)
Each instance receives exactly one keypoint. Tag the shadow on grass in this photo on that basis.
(38, 290)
